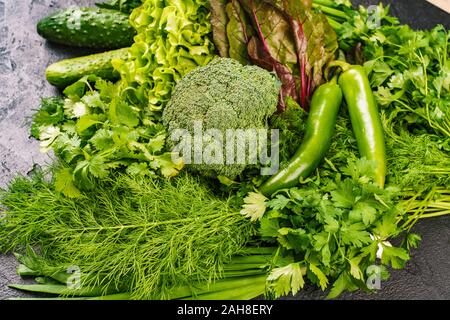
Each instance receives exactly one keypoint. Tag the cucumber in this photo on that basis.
(66, 72)
(126, 6)
(95, 28)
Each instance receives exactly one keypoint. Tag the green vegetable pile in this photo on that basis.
(364, 148)
(102, 126)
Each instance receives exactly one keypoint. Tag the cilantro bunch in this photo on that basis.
(94, 131)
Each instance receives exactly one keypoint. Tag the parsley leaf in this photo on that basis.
(64, 183)
(255, 206)
(343, 283)
(285, 280)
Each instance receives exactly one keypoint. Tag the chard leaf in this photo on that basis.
(273, 29)
(219, 22)
(238, 32)
(293, 41)
(261, 57)
(315, 42)
(265, 49)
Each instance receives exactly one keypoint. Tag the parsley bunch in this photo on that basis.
(409, 69)
(333, 230)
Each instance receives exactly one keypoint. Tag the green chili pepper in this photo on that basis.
(365, 116)
(320, 128)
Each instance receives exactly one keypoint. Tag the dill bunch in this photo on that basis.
(143, 235)
(417, 162)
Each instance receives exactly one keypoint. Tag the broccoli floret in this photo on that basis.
(222, 95)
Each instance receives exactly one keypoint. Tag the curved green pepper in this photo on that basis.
(320, 128)
(365, 116)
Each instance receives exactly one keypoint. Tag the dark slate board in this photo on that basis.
(23, 58)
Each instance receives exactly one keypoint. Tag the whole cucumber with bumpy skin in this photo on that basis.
(88, 28)
(66, 72)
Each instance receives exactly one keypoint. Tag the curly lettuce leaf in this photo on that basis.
(172, 40)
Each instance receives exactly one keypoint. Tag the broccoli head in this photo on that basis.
(222, 95)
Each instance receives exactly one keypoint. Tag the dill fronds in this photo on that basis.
(142, 235)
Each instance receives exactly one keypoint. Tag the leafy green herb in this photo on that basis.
(412, 72)
(409, 69)
(97, 132)
(330, 227)
(51, 113)
(144, 234)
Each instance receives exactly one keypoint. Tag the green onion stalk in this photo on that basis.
(243, 278)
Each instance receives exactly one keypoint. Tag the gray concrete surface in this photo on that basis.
(23, 59)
